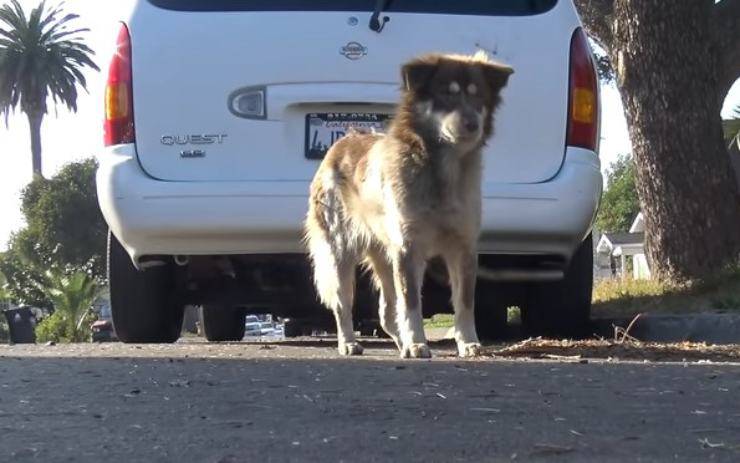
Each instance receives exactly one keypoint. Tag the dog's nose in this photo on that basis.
(471, 125)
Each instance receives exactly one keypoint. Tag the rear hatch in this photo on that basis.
(201, 66)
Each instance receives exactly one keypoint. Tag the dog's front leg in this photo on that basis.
(463, 267)
(383, 273)
(408, 273)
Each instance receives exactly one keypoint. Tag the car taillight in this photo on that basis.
(583, 107)
(119, 97)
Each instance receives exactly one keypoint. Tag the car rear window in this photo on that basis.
(466, 7)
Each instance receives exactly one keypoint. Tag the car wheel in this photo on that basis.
(142, 303)
(223, 323)
(562, 308)
(292, 328)
(491, 302)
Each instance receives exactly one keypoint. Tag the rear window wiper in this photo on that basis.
(375, 22)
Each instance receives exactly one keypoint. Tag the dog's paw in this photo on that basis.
(469, 349)
(416, 351)
(350, 348)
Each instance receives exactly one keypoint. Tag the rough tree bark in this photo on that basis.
(34, 123)
(674, 65)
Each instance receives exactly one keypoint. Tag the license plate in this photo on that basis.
(324, 129)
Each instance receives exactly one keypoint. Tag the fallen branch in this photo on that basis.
(625, 332)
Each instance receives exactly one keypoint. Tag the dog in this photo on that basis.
(392, 202)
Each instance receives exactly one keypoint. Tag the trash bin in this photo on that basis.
(22, 324)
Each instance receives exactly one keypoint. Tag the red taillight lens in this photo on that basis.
(583, 107)
(119, 97)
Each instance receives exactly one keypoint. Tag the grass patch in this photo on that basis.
(628, 289)
(629, 297)
(441, 320)
(513, 316)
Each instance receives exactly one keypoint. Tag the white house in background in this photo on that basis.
(620, 246)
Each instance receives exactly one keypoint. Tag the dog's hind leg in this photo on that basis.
(408, 273)
(342, 309)
(334, 264)
(462, 266)
(335, 283)
(383, 278)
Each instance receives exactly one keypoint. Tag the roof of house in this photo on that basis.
(619, 239)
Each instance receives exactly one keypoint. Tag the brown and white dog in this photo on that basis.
(391, 202)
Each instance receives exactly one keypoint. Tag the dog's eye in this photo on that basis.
(472, 89)
(454, 87)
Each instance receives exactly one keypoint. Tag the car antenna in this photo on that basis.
(375, 23)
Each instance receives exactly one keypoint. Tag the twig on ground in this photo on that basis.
(626, 332)
(709, 445)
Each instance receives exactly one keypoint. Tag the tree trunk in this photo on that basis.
(34, 122)
(668, 81)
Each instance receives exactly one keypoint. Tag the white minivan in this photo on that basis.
(219, 111)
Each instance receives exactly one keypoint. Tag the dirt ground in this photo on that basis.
(298, 401)
(377, 349)
(615, 351)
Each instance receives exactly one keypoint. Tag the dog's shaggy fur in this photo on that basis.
(391, 202)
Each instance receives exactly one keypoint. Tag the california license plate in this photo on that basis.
(324, 129)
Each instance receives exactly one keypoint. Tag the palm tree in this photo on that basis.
(73, 297)
(40, 56)
(4, 293)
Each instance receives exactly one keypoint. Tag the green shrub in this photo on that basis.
(619, 204)
(52, 328)
(57, 328)
(72, 297)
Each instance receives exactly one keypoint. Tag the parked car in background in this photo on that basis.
(261, 325)
(219, 111)
(102, 331)
(253, 326)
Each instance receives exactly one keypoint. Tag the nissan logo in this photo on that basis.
(353, 51)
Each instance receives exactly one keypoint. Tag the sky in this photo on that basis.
(69, 137)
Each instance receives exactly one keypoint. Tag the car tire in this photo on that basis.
(223, 323)
(292, 328)
(563, 308)
(142, 302)
(491, 302)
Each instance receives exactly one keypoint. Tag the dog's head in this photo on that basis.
(454, 96)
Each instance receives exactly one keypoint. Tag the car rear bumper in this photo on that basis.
(154, 217)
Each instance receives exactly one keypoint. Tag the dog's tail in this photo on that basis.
(326, 236)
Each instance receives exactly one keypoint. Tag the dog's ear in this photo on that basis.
(497, 75)
(417, 72)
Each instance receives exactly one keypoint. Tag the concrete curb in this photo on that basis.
(712, 328)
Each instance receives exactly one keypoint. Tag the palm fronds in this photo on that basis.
(73, 297)
(41, 56)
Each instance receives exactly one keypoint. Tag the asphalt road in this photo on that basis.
(300, 402)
